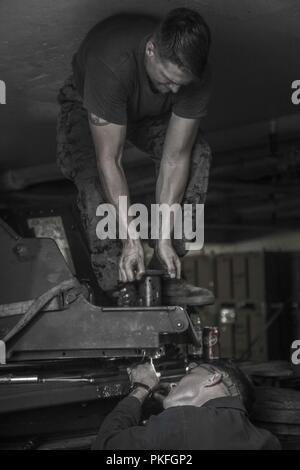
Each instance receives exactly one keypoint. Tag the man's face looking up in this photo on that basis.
(165, 77)
(201, 384)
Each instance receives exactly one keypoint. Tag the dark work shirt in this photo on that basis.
(110, 75)
(221, 423)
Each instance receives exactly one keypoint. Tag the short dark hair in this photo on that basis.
(236, 381)
(183, 38)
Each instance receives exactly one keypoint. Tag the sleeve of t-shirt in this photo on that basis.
(104, 94)
(192, 101)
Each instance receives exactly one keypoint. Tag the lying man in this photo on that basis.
(145, 82)
(207, 410)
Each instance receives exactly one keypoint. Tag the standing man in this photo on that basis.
(146, 81)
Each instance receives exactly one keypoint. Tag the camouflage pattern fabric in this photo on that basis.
(77, 160)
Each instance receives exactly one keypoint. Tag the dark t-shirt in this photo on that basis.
(110, 74)
(221, 423)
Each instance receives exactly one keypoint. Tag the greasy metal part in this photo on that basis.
(7, 230)
(34, 272)
(84, 330)
(29, 267)
(37, 306)
(196, 351)
(20, 308)
(35, 379)
(126, 294)
(19, 397)
(2, 352)
(18, 380)
(150, 288)
(91, 384)
(58, 302)
(20, 356)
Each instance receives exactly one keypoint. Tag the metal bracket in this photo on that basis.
(83, 329)
(2, 352)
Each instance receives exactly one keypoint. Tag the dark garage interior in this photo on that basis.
(64, 348)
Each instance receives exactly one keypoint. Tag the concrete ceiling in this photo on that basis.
(255, 52)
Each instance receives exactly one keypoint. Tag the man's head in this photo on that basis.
(211, 380)
(177, 52)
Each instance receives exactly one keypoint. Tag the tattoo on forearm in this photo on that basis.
(97, 121)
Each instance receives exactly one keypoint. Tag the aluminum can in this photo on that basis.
(211, 343)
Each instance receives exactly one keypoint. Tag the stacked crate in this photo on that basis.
(249, 289)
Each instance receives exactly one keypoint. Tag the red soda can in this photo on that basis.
(211, 343)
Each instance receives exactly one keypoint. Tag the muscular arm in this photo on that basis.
(173, 175)
(109, 143)
(175, 163)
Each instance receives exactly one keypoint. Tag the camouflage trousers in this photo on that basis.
(77, 160)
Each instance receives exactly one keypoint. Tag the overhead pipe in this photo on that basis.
(21, 178)
(248, 138)
(256, 134)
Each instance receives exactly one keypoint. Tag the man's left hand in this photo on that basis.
(169, 258)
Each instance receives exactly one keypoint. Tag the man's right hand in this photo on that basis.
(144, 374)
(132, 264)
